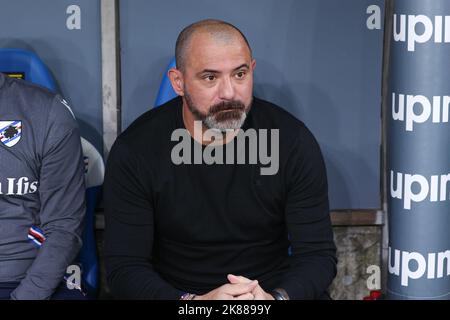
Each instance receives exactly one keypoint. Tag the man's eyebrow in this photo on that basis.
(244, 65)
(209, 71)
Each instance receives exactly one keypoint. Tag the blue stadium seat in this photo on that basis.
(166, 91)
(94, 171)
(27, 65)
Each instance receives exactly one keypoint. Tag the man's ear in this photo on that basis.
(176, 79)
(253, 64)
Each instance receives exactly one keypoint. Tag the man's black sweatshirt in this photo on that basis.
(173, 228)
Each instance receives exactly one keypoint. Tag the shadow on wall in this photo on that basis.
(354, 163)
(155, 72)
(85, 105)
(344, 186)
(284, 96)
(306, 88)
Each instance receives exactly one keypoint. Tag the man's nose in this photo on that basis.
(226, 89)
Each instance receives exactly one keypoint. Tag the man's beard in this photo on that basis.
(223, 116)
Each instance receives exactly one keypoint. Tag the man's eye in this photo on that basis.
(240, 74)
(210, 78)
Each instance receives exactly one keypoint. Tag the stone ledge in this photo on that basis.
(361, 217)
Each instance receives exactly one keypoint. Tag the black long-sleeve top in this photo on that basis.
(174, 228)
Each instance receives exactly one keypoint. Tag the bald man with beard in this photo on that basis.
(224, 230)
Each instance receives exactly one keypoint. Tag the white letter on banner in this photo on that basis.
(416, 197)
(412, 117)
(406, 272)
(413, 37)
(400, 36)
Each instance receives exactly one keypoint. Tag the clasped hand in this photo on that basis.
(238, 288)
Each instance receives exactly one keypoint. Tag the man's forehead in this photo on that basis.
(208, 50)
(210, 38)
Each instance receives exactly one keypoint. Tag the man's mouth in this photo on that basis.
(229, 109)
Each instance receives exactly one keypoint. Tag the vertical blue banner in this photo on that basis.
(418, 147)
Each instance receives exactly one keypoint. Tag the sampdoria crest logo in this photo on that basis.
(10, 132)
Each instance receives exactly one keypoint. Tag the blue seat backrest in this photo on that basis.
(28, 63)
(19, 61)
(94, 171)
(166, 91)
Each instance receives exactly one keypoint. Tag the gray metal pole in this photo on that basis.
(418, 155)
(110, 73)
(389, 7)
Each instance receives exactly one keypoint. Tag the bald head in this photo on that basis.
(218, 30)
